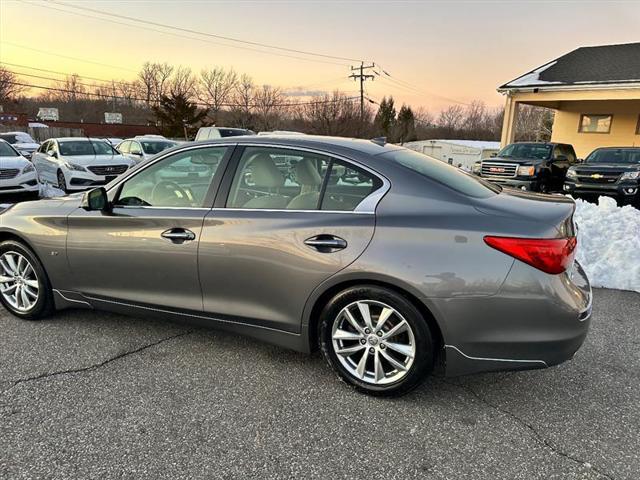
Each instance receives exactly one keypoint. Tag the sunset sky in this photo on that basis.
(435, 52)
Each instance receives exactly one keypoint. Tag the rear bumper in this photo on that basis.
(535, 321)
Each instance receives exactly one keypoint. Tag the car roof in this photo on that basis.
(616, 148)
(311, 141)
(78, 139)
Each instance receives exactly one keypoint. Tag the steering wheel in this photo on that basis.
(169, 190)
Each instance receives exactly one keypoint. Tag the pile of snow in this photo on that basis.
(609, 243)
(48, 191)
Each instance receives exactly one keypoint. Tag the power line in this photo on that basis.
(67, 56)
(200, 104)
(206, 34)
(363, 77)
(181, 36)
(62, 73)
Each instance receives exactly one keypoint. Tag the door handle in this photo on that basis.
(326, 243)
(178, 235)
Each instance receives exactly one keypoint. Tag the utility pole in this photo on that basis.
(362, 77)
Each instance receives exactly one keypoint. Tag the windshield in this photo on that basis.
(443, 173)
(614, 155)
(86, 147)
(154, 146)
(7, 150)
(10, 138)
(539, 151)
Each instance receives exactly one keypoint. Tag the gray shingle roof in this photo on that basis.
(586, 65)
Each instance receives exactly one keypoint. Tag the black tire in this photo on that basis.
(423, 360)
(62, 183)
(44, 305)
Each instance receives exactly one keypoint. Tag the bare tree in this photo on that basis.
(451, 119)
(533, 123)
(268, 108)
(9, 88)
(334, 114)
(71, 89)
(216, 87)
(183, 83)
(243, 95)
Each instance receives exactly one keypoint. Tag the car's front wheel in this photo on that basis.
(24, 286)
(62, 182)
(376, 340)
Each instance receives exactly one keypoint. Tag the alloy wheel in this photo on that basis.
(62, 183)
(19, 284)
(373, 342)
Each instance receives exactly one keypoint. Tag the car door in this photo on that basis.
(144, 250)
(288, 223)
(559, 166)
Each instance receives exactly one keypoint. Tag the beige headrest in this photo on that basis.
(306, 173)
(264, 172)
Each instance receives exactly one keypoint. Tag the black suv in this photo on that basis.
(612, 171)
(536, 166)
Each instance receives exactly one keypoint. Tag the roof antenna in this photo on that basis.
(380, 141)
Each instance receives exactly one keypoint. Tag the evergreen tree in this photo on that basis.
(178, 117)
(406, 125)
(386, 118)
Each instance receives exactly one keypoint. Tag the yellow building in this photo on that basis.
(595, 92)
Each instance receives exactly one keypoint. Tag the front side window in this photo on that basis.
(135, 148)
(72, 148)
(595, 123)
(181, 180)
(7, 150)
(443, 173)
(124, 147)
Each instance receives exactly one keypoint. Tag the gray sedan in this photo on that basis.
(388, 261)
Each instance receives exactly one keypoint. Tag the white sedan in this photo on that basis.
(78, 163)
(144, 147)
(17, 174)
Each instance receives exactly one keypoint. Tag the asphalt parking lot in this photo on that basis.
(94, 395)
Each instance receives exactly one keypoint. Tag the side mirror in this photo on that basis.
(52, 153)
(579, 160)
(561, 158)
(137, 154)
(96, 200)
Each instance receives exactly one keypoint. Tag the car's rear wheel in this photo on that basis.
(376, 340)
(24, 286)
(62, 182)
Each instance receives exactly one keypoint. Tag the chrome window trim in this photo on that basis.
(151, 207)
(368, 205)
(283, 210)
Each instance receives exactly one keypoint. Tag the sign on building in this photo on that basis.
(48, 113)
(112, 117)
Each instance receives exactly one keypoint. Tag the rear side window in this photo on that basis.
(347, 186)
(443, 173)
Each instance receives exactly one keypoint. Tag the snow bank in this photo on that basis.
(609, 243)
(47, 191)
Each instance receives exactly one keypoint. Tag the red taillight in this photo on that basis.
(551, 255)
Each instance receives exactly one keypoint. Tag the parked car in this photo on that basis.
(141, 148)
(611, 171)
(211, 133)
(535, 166)
(415, 261)
(78, 163)
(17, 174)
(21, 141)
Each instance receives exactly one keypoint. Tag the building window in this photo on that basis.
(638, 126)
(595, 123)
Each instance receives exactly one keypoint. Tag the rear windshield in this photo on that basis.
(7, 150)
(86, 147)
(539, 151)
(443, 173)
(234, 132)
(614, 155)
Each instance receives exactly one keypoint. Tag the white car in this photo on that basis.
(140, 148)
(17, 174)
(78, 163)
(21, 141)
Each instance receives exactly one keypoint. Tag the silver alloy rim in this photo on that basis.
(373, 342)
(19, 284)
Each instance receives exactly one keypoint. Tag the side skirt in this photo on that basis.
(294, 341)
(459, 363)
